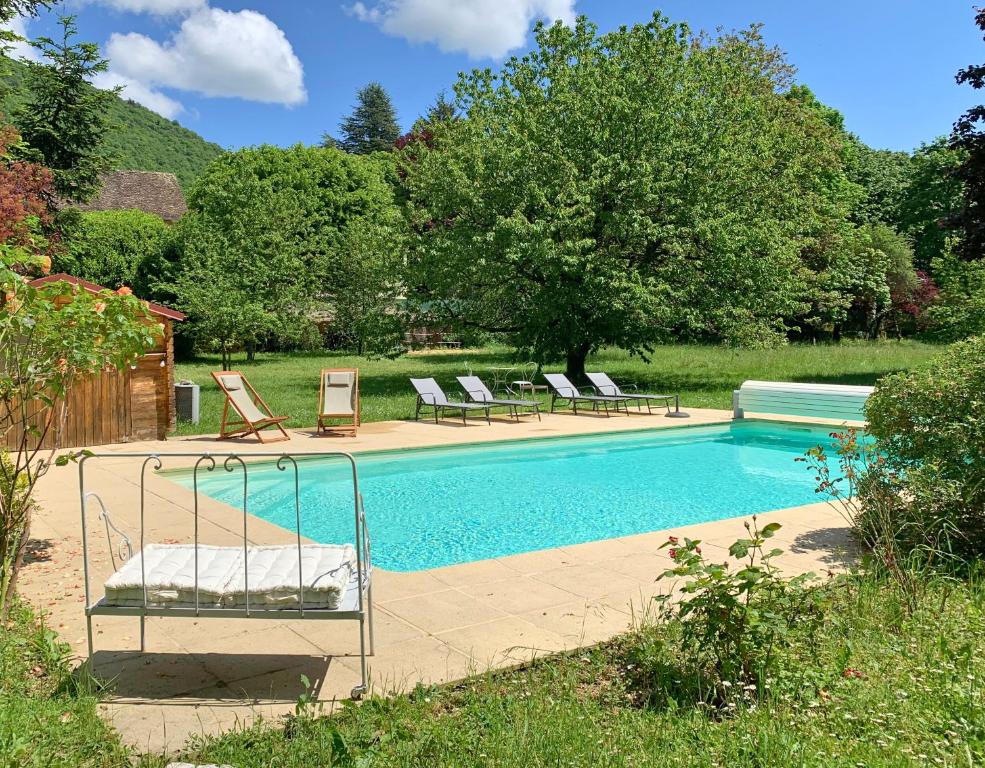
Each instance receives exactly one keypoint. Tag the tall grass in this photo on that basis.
(884, 687)
(48, 715)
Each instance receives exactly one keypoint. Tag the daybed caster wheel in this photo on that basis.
(357, 692)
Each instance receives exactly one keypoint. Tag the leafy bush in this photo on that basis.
(736, 622)
(959, 310)
(51, 336)
(110, 247)
(929, 424)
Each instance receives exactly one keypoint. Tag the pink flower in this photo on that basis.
(673, 553)
(698, 550)
(672, 539)
(124, 290)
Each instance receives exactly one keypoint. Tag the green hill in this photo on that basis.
(140, 141)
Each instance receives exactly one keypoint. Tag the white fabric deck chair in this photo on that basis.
(338, 399)
(478, 392)
(430, 395)
(562, 389)
(254, 414)
(606, 386)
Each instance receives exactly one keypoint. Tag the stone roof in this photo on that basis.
(148, 191)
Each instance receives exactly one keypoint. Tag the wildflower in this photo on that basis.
(673, 553)
(849, 672)
(45, 265)
(99, 307)
(124, 290)
(62, 365)
(698, 550)
(672, 539)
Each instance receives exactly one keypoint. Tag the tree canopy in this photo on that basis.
(622, 189)
(64, 120)
(110, 247)
(272, 235)
(372, 126)
(969, 137)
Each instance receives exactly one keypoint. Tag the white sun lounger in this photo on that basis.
(478, 392)
(606, 386)
(431, 395)
(563, 389)
(197, 580)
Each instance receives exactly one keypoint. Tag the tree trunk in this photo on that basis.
(16, 563)
(575, 365)
(251, 352)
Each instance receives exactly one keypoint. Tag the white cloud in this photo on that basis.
(142, 94)
(481, 28)
(20, 49)
(156, 7)
(216, 53)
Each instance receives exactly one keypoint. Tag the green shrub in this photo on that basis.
(929, 425)
(732, 625)
(109, 247)
(959, 310)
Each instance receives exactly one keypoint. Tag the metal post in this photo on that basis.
(89, 634)
(677, 412)
(369, 595)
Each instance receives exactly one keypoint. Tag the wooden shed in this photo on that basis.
(119, 407)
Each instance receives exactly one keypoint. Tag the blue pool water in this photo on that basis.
(433, 507)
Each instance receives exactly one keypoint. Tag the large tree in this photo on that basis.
(931, 201)
(274, 234)
(65, 119)
(969, 137)
(372, 126)
(624, 188)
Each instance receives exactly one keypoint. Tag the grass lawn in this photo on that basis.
(913, 695)
(47, 717)
(705, 376)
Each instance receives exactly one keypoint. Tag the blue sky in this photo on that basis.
(261, 71)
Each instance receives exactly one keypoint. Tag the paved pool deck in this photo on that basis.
(208, 675)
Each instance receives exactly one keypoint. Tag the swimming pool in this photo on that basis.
(432, 507)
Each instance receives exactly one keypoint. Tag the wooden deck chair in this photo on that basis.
(338, 399)
(254, 414)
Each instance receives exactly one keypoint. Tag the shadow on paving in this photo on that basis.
(835, 547)
(38, 551)
(208, 677)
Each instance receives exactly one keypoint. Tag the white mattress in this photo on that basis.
(169, 570)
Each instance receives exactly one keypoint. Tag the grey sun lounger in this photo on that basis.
(478, 392)
(562, 389)
(606, 386)
(430, 395)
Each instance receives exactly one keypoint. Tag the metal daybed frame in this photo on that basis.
(356, 603)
